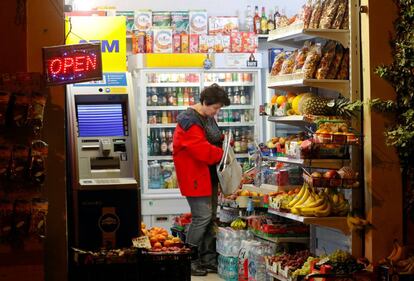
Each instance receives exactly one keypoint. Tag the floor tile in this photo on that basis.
(209, 277)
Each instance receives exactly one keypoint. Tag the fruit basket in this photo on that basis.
(343, 178)
(178, 253)
(322, 136)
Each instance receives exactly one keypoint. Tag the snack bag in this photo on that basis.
(307, 13)
(301, 57)
(5, 158)
(39, 209)
(277, 64)
(20, 109)
(37, 166)
(316, 14)
(345, 21)
(21, 217)
(289, 63)
(6, 220)
(19, 162)
(36, 111)
(312, 61)
(343, 73)
(327, 57)
(340, 14)
(4, 105)
(328, 14)
(336, 62)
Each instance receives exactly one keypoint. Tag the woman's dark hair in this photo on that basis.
(214, 94)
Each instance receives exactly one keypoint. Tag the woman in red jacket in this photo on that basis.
(197, 149)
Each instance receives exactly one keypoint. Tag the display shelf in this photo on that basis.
(293, 120)
(294, 35)
(184, 107)
(292, 81)
(160, 157)
(262, 36)
(169, 125)
(302, 240)
(236, 124)
(174, 84)
(313, 163)
(277, 276)
(231, 84)
(332, 222)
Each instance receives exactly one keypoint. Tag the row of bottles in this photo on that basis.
(173, 78)
(229, 77)
(160, 142)
(260, 24)
(161, 175)
(172, 96)
(238, 95)
(163, 117)
(227, 115)
(243, 140)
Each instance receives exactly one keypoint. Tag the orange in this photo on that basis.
(168, 243)
(274, 99)
(280, 100)
(157, 245)
(176, 240)
(153, 240)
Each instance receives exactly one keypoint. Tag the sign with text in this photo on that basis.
(68, 64)
(110, 32)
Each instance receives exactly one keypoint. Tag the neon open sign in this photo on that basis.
(72, 63)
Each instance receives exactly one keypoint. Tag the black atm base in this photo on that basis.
(107, 218)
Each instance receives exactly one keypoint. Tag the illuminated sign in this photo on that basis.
(69, 64)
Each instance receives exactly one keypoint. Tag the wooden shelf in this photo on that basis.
(303, 240)
(294, 35)
(313, 163)
(296, 80)
(332, 222)
(277, 276)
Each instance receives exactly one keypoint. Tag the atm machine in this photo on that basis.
(104, 193)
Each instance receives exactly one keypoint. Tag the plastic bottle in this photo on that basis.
(249, 19)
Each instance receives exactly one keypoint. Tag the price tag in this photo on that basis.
(141, 242)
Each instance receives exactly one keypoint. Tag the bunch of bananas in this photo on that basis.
(340, 205)
(238, 224)
(356, 223)
(308, 203)
(398, 259)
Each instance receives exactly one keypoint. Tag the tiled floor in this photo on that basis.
(209, 277)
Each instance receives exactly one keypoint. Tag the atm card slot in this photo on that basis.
(90, 147)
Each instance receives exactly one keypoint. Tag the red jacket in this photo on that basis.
(192, 154)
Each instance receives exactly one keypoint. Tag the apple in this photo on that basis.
(331, 174)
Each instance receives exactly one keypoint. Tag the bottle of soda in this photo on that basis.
(180, 97)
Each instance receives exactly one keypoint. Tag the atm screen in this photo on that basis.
(95, 120)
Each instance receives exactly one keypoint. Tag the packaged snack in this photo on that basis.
(223, 25)
(203, 43)
(6, 220)
(20, 109)
(328, 14)
(177, 43)
(312, 61)
(5, 158)
(340, 14)
(343, 72)
(21, 218)
(4, 105)
(161, 19)
(138, 42)
(328, 54)
(36, 111)
(226, 43)
(130, 17)
(19, 162)
(277, 64)
(236, 42)
(149, 42)
(345, 21)
(198, 22)
(39, 211)
(289, 63)
(272, 54)
(249, 42)
(316, 14)
(301, 57)
(307, 13)
(162, 40)
(333, 69)
(180, 22)
(218, 43)
(37, 167)
(211, 41)
(143, 20)
(184, 43)
(193, 43)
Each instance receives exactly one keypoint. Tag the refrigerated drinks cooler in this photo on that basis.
(162, 95)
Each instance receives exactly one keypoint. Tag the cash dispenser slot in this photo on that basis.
(119, 145)
(104, 164)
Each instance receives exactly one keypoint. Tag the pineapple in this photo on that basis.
(315, 105)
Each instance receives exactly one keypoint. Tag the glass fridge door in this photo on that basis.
(164, 95)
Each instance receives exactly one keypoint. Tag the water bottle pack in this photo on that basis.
(228, 268)
(229, 241)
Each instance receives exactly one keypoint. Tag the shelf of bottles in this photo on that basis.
(170, 93)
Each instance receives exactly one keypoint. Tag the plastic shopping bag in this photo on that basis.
(229, 170)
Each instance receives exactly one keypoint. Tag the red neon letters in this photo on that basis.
(72, 64)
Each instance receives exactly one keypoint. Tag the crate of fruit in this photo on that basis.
(343, 178)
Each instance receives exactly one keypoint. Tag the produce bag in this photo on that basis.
(229, 170)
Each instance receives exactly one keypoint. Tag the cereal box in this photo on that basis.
(138, 42)
(176, 43)
(143, 20)
(226, 43)
(203, 43)
(184, 43)
(222, 25)
(179, 22)
(249, 42)
(219, 42)
(211, 41)
(236, 42)
(198, 22)
(149, 42)
(129, 15)
(161, 18)
(162, 40)
(193, 43)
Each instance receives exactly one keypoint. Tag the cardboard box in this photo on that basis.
(249, 42)
(163, 40)
(222, 43)
(236, 42)
(203, 43)
(161, 19)
(193, 43)
(180, 22)
(198, 22)
(185, 42)
(143, 20)
(223, 25)
(176, 43)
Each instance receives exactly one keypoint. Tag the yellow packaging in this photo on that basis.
(184, 43)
